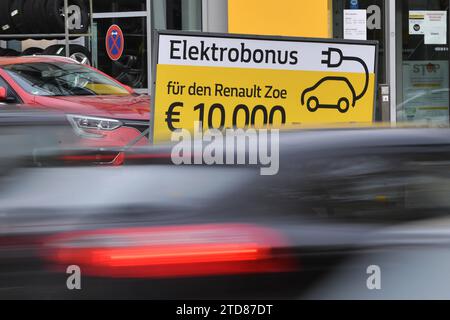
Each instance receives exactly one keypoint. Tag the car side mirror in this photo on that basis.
(3, 94)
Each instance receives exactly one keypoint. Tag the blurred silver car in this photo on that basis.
(153, 230)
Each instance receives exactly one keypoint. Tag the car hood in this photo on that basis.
(117, 107)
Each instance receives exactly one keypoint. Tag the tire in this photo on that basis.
(32, 51)
(31, 24)
(9, 53)
(312, 104)
(35, 15)
(55, 10)
(16, 10)
(76, 51)
(40, 8)
(126, 71)
(6, 23)
(343, 105)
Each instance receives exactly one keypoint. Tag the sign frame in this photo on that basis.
(155, 57)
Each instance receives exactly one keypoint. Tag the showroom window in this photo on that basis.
(376, 30)
(423, 68)
(129, 66)
(119, 5)
(413, 56)
(136, 19)
(177, 14)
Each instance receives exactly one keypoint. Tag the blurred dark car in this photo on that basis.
(24, 133)
(153, 230)
(45, 138)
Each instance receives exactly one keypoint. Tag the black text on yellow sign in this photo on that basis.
(252, 87)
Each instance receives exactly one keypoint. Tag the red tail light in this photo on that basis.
(115, 159)
(171, 251)
(148, 156)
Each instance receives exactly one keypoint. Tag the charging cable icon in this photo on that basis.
(333, 58)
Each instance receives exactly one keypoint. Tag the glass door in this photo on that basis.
(422, 62)
(376, 30)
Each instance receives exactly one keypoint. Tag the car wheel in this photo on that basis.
(312, 104)
(31, 24)
(32, 51)
(79, 53)
(36, 17)
(16, 10)
(127, 71)
(9, 53)
(343, 105)
(40, 8)
(6, 23)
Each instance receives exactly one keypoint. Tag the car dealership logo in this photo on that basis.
(229, 147)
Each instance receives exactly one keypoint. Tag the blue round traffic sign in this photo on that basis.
(115, 42)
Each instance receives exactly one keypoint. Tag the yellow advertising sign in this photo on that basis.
(227, 81)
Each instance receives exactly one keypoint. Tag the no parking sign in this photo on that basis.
(115, 42)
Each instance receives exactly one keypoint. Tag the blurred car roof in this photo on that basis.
(18, 114)
(331, 139)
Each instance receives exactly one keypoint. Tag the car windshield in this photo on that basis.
(62, 79)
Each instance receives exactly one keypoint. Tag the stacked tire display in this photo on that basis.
(77, 52)
(38, 17)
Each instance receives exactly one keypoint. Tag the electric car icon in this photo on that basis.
(342, 95)
(334, 92)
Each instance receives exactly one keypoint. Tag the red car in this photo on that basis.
(102, 111)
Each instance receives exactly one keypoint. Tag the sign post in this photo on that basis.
(228, 81)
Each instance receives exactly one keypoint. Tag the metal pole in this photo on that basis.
(391, 56)
(149, 46)
(66, 24)
(92, 29)
(152, 61)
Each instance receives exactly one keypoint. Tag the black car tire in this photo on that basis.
(40, 9)
(6, 23)
(16, 10)
(31, 24)
(75, 51)
(32, 51)
(127, 71)
(55, 10)
(9, 53)
(36, 17)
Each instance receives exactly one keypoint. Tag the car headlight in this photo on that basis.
(92, 127)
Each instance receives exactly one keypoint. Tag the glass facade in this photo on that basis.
(376, 30)
(178, 14)
(131, 68)
(134, 18)
(119, 5)
(421, 65)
